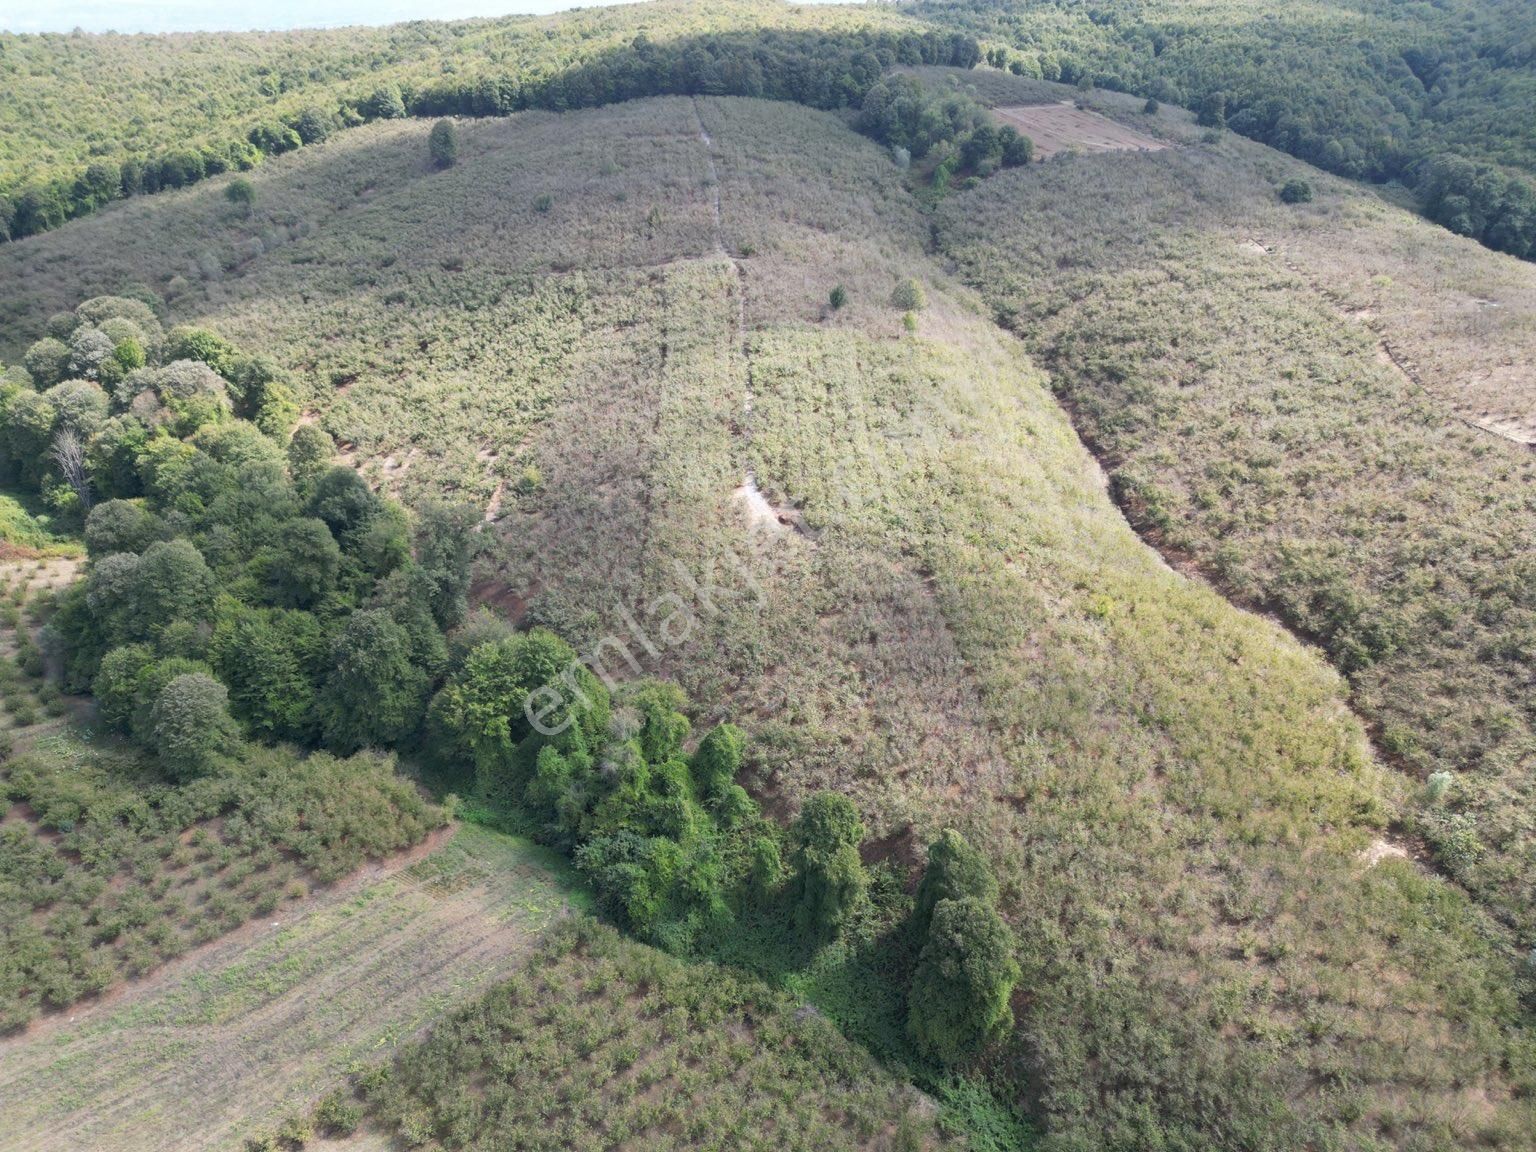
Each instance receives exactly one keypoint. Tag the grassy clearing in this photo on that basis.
(267, 1019)
(954, 626)
(27, 530)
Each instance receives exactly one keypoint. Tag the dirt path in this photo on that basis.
(762, 515)
(262, 1022)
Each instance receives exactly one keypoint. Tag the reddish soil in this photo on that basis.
(1061, 127)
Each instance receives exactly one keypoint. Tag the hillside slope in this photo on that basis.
(1435, 96)
(1330, 409)
(896, 564)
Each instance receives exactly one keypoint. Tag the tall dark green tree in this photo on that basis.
(373, 696)
(829, 880)
(965, 975)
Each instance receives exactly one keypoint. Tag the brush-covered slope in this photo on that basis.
(880, 545)
(1330, 408)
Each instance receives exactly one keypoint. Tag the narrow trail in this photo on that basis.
(759, 508)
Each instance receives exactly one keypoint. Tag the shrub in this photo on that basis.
(908, 296)
(338, 1115)
(838, 297)
(965, 976)
(1296, 192)
(955, 871)
(829, 879)
(242, 194)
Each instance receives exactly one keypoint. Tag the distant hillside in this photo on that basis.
(1439, 96)
(91, 119)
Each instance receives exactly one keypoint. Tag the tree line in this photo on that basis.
(676, 849)
(241, 585)
(823, 70)
(1436, 97)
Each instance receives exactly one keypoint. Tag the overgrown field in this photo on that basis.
(600, 1042)
(1434, 96)
(235, 1037)
(606, 324)
(107, 869)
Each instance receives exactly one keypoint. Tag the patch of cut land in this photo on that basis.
(1067, 128)
(271, 1017)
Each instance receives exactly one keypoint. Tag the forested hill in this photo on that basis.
(90, 119)
(1438, 97)
(1441, 97)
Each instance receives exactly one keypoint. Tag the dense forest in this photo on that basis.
(1438, 97)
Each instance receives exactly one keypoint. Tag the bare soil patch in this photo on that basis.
(1065, 127)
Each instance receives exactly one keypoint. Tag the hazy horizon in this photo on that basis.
(157, 16)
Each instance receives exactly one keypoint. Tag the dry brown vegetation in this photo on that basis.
(1067, 128)
(966, 631)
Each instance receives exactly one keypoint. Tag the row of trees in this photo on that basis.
(824, 70)
(239, 585)
(676, 849)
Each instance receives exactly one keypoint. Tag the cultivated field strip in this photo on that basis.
(271, 1017)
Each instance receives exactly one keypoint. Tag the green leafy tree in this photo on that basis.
(955, 871)
(1017, 149)
(965, 976)
(443, 144)
(385, 103)
(313, 125)
(47, 361)
(133, 598)
(242, 194)
(192, 724)
(829, 879)
(1211, 112)
(270, 660)
(838, 297)
(718, 759)
(301, 567)
(445, 544)
(119, 526)
(310, 451)
(191, 343)
(373, 695)
(117, 683)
